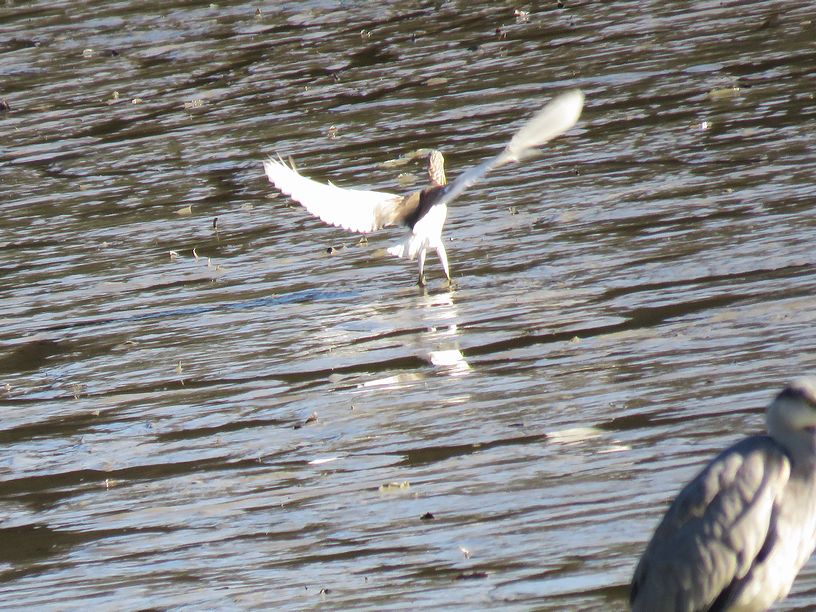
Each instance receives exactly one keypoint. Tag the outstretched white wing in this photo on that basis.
(356, 210)
(557, 117)
(554, 119)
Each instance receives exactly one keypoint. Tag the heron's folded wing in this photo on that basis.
(713, 531)
(356, 210)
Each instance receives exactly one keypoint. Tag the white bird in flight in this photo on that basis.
(422, 212)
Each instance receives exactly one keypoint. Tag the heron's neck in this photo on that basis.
(801, 447)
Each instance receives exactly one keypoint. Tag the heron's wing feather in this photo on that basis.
(356, 210)
(714, 530)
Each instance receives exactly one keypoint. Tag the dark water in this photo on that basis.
(258, 423)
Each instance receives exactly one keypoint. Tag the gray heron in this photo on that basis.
(737, 535)
(423, 213)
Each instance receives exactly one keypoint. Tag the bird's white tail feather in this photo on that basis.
(409, 247)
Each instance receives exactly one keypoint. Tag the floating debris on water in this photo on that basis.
(724, 93)
(406, 158)
(406, 178)
(77, 389)
(395, 486)
(471, 575)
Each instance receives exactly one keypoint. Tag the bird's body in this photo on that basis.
(423, 213)
(367, 211)
(425, 225)
(737, 535)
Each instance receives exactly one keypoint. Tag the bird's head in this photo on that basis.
(793, 412)
(436, 168)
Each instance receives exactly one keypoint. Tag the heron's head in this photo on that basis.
(436, 168)
(794, 410)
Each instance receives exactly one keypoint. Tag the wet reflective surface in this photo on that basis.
(218, 413)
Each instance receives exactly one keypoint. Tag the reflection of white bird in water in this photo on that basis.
(737, 535)
(423, 212)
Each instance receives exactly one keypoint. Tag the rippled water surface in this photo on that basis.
(201, 407)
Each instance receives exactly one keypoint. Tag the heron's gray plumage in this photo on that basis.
(737, 535)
